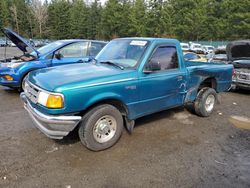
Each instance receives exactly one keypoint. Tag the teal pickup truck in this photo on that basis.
(130, 78)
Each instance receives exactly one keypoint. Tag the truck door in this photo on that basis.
(163, 82)
(72, 53)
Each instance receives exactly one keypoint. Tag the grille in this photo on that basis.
(243, 76)
(31, 92)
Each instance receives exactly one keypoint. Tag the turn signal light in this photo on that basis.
(54, 101)
(8, 77)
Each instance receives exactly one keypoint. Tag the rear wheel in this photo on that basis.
(205, 102)
(101, 127)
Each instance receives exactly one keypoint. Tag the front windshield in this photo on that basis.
(47, 48)
(125, 52)
(197, 46)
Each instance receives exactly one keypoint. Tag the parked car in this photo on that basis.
(238, 54)
(130, 78)
(12, 44)
(195, 47)
(208, 49)
(219, 56)
(191, 56)
(185, 47)
(13, 71)
(3, 42)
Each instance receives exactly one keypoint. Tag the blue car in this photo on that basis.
(13, 71)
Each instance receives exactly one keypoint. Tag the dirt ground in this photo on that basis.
(173, 148)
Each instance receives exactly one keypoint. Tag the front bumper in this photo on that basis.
(240, 84)
(8, 71)
(55, 127)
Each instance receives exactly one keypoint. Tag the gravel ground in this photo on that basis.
(173, 148)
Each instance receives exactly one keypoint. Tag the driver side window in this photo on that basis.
(163, 58)
(75, 50)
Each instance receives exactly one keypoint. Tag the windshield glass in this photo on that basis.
(47, 48)
(197, 46)
(220, 56)
(126, 52)
(210, 48)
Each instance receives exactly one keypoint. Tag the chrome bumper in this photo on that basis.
(55, 127)
(244, 84)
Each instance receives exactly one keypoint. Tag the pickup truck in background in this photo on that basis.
(130, 78)
(13, 71)
(238, 54)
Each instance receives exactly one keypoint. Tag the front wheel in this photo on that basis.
(205, 102)
(101, 127)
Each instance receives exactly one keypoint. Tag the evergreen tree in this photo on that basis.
(137, 19)
(78, 19)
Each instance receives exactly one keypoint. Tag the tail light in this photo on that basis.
(234, 74)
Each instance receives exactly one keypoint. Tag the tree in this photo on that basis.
(111, 19)
(4, 14)
(59, 19)
(94, 20)
(40, 13)
(137, 19)
(78, 19)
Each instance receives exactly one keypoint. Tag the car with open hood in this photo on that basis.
(13, 71)
(238, 54)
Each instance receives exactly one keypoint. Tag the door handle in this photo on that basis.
(179, 78)
(80, 61)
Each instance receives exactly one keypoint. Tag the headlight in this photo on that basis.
(50, 100)
(15, 65)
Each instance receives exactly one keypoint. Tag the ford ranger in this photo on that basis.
(130, 78)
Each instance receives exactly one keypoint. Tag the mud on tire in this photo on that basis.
(205, 102)
(101, 127)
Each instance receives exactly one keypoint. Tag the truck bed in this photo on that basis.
(200, 71)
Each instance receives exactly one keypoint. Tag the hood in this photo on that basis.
(78, 75)
(238, 50)
(20, 42)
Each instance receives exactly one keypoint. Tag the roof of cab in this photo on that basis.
(81, 40)
(151, 39)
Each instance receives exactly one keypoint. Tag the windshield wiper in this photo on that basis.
(112, 63)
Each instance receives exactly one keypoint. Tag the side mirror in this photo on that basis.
(152, 66)
(58, 55)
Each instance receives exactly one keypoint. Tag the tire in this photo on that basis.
(101, 127)
(205, 102)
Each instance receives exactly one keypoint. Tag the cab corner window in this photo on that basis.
(163, 58)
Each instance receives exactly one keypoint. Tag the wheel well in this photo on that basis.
(209, 82)
(116, 103)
